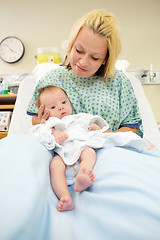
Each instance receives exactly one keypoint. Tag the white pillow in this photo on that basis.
(151, 131)
(122, 64)
(41, 69)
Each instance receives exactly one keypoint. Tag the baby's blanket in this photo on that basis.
(76, 126)
(123, 202)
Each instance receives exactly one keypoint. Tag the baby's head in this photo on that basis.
(55, 101)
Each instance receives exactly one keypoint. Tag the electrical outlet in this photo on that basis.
(5, 118)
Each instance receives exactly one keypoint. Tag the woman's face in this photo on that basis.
(88, 53)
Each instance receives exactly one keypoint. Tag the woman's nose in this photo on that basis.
(84, 61)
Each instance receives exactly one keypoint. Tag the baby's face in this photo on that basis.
(56, 102)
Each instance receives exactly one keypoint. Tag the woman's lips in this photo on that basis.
(80, 69)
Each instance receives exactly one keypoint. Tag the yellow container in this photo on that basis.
(48, 57)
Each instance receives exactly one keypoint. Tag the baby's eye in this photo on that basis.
(64, 102)
(53, 107)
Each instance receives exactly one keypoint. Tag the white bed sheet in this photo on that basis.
(126, 193)
(21, 122)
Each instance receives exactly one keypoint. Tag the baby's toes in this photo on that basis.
(66, 136)
(89, 172)
(91, 175)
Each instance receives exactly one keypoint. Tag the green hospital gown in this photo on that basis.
(114, 101)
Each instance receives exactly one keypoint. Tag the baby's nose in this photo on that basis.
(60, 107)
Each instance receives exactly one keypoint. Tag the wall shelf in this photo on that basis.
(151, 83)
(7, 103)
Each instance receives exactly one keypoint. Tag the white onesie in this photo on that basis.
(76, 126)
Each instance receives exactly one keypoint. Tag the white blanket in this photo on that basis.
(76, 126)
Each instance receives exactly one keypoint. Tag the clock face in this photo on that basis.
(11, 49)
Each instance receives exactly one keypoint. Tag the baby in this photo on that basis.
(74, 138)
(57, 103)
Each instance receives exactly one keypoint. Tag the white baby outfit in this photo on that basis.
(76, 126)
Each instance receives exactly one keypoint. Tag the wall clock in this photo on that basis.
(11, 49)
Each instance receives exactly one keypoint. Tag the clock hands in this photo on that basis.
(10, 48)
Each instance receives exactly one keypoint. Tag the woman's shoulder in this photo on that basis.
(58, 71)
(122, 79)
(120, 75)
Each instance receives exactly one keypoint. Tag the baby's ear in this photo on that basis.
(35, 103)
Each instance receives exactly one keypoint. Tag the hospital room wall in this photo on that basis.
(47, 23)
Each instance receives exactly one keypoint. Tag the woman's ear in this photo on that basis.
(104, 61)
(106, 58)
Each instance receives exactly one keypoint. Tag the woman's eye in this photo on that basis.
(64, 102)
(95, 59)
(53, 107)
(79, 51)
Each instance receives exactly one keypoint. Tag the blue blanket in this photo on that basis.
(123, 203)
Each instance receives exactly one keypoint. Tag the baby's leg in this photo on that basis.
(85, 176)
(59, 184)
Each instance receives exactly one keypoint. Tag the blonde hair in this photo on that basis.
(104, 24)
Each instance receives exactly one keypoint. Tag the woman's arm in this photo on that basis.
(125, 129)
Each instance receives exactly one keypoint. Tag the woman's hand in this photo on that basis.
(41, 117)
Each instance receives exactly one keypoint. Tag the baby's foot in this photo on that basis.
(65, 204)
(84, 179)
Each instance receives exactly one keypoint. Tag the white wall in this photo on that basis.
(152, 93)
(43, 23)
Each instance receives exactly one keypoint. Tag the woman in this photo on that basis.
(124, 201)
(88, 75)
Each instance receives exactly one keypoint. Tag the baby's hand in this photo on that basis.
(94, 127)
(60, 136)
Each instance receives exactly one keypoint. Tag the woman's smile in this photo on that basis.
(80, 68)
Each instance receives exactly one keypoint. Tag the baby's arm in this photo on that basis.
(59, 135)
(94, 127)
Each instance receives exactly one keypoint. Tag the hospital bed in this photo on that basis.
(21, 122)
(122, 204)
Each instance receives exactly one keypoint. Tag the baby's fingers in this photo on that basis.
(94, 127)
(62, 138)
(65, 136)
